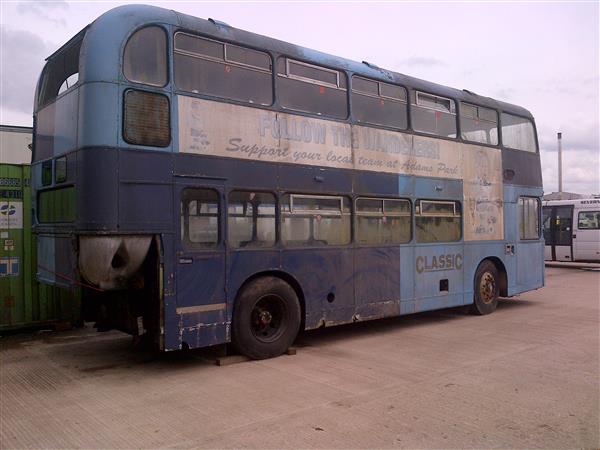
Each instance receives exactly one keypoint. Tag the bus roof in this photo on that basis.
(583, 202)
(106, 36)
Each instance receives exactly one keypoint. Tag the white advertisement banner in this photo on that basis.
(221, 129)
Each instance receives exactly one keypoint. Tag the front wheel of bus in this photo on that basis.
(486, 289)
(266, 318)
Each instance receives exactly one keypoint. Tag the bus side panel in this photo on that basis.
(327, 279)
(530, 266)
(438, 276)
(171, 322)
(98, 191)
(145, 191)
(377, 279)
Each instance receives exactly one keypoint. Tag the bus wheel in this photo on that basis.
(486, 289)
(266, 318)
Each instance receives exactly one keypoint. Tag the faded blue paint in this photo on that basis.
(99, 115)
(125, 190)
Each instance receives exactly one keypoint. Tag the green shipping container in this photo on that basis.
(23, 301)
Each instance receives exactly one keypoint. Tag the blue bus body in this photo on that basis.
(121, 189)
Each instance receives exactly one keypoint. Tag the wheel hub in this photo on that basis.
(268, 318)
(265, 318)
(487, 288)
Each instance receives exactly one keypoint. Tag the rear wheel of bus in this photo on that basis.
(266, 318)
(486, 289)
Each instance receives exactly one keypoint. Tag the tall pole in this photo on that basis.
(559, 162)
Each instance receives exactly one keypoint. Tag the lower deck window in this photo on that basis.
(438, 221)
(251, 219)
(315, 220)
(529, 210)
(200, 218)
(383, 221)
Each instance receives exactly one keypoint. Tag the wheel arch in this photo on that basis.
(502, 274)
(284, 276)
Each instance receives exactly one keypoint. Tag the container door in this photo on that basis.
(563, 233)
(200, 260)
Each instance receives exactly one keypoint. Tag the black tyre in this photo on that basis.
(486, 289)
(266, 318)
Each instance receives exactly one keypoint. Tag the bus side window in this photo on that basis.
(383, 221)
(588, 220)
(145, 57)
(251, 219)
(433, 114)
(438, 221)
(529, 211)
(517, 133)
(379, 103)
(478, 124)
(200, 218)
(312, 89)
(205, 66)
(315, 220)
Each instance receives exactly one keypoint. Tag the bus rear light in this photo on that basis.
(146, 119)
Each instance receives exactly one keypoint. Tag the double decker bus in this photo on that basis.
(208, 185)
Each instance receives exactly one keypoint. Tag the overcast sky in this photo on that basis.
(543, 56)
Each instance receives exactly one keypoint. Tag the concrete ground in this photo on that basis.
(525, 376)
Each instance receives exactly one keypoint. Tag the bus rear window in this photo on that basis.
(145, 57)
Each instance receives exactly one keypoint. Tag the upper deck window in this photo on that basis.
(478, 124)
(205, 66)
(313, 89)
(517, 133)
(61, 72)
(433, 114)
(379, 103)
(145, 57)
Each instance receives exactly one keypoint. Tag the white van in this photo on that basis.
(572, 230)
